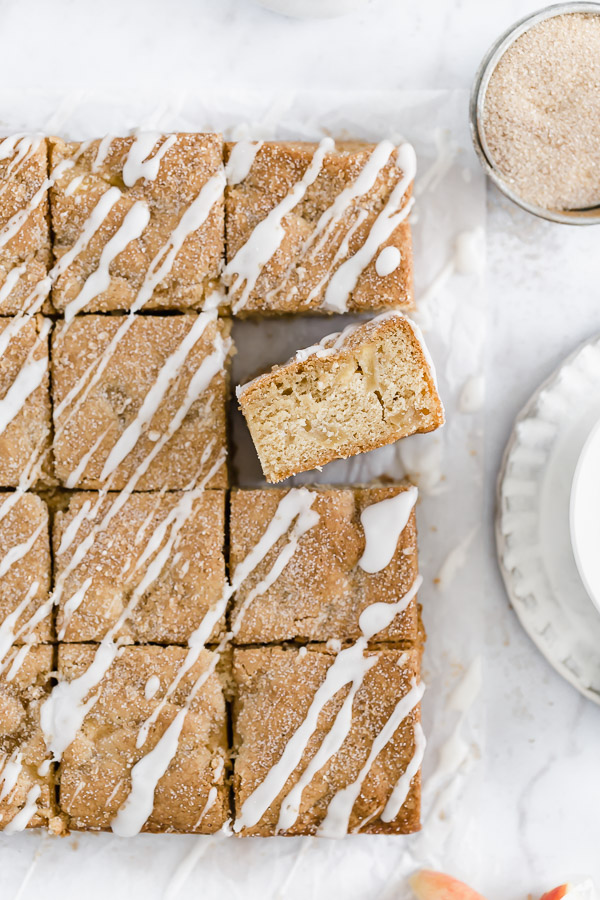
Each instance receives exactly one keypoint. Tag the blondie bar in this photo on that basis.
(318, 228)
(139, 401)
(155, 565)
(142, 217)
(321, 592)
(326, 744)
(190, 793)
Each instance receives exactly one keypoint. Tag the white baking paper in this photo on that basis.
(447, 465)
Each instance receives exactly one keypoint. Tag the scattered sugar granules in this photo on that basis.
(541, 113)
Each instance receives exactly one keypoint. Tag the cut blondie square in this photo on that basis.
(26, 776)
(326, 744)
(24, 402)
(318, 228)
(322, 590)
(184, 787)
(25, 253)
(25, 605)
(139, 401)
(143, 218)
(368, 386)
(152, 571)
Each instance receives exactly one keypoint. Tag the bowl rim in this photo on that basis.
(576, 486)
(477, 99)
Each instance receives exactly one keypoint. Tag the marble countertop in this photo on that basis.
(538, 821)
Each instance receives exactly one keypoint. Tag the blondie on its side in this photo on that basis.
(355, 391)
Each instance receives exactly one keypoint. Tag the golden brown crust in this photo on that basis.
(22, 693)
(361, 390)
(274, 689)
(25, 582)
(25, 439)
(184, 170)
(295, 278)
(322, 591)
(114, 402)
(95, 773)
(25, 258)
(191, 579)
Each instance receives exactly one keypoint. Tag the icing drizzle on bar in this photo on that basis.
(341, 277)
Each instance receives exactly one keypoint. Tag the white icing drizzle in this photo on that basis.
(73, 185)
(11, 281)
(345, 278)
(16, 222)
(335, 823)
(102, 152)
(387, 261)
(244, 269)
(25, 815)
(240, 161)
(7, 626)
(383, 523)
(9, 775)
(399, 794)
(137, 164)
(151, 687)
(130, 229)
(18, 661)
(72, 605)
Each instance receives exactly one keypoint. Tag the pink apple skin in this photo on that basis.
(428, 885)
(556, 893)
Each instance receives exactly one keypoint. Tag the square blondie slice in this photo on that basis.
(322, 589)
(140, 401)
(25, 606)
(155, 563)
(324, 746)
(318, 228)
(145, 214)
(367, 386)
(26, 777)
(25, 254)
(95, 775)
(24, 402)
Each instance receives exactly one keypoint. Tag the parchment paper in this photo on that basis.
(448, 466)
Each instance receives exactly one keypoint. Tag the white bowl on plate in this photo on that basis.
(585, 515)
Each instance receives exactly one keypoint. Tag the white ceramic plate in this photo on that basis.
(585, 515)
(532, 524)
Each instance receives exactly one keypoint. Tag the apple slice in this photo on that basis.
(428, 885)
(556, 893)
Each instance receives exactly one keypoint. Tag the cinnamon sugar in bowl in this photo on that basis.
(535, 113)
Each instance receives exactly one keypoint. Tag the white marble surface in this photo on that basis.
(539, 821)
